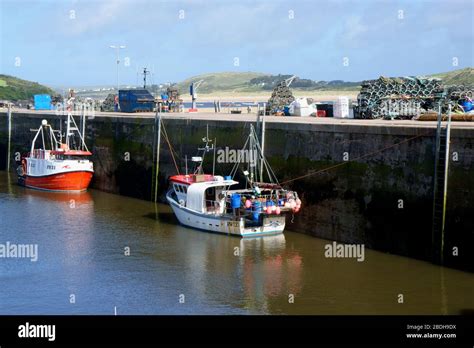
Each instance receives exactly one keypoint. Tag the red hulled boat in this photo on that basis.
(56, 166)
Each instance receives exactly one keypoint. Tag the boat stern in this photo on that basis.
(271, 225)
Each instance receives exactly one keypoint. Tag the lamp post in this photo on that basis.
(117, 48)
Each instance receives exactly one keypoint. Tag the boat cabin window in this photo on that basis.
(210, 194)
(180, 188)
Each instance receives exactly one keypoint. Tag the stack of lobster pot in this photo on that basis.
(281, 97)
(109, 103)
(406, 97)
(396, 97)
(458, 93)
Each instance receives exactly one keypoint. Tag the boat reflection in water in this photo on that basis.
(70, 216)
(256, 274)
(270, 270)
(75, 199)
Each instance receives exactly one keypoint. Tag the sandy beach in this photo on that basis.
(265, 95)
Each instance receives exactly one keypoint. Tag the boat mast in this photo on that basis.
(71, 127)
(214, 160)
(83, 116)
(68, 130)
(36, 137)
(51, 134)
(263, 148)
(52, 137)
(42, 136)
(60, 129)
(249, 163)
(204, 149)
(253, 155)
(257, 161)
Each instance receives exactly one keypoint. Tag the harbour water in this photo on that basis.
(83, 266)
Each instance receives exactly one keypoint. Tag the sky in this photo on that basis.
(62, 43)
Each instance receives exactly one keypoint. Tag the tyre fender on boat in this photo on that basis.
(21, 170)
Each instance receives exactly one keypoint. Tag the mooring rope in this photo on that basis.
(165, 134)
(355, 159)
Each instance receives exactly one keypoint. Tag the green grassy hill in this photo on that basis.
(457, 77)
(223, 81)
(12, 88)
(249, 82)
(242, 82)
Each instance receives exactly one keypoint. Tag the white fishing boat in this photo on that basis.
(207, 202)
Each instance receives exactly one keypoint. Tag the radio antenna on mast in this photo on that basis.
(145, 73)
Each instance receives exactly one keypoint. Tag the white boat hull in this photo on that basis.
(272, 224)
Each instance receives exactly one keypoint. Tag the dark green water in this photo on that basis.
(81, 240)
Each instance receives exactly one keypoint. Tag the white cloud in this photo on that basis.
(92, 15)
(355, 28)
